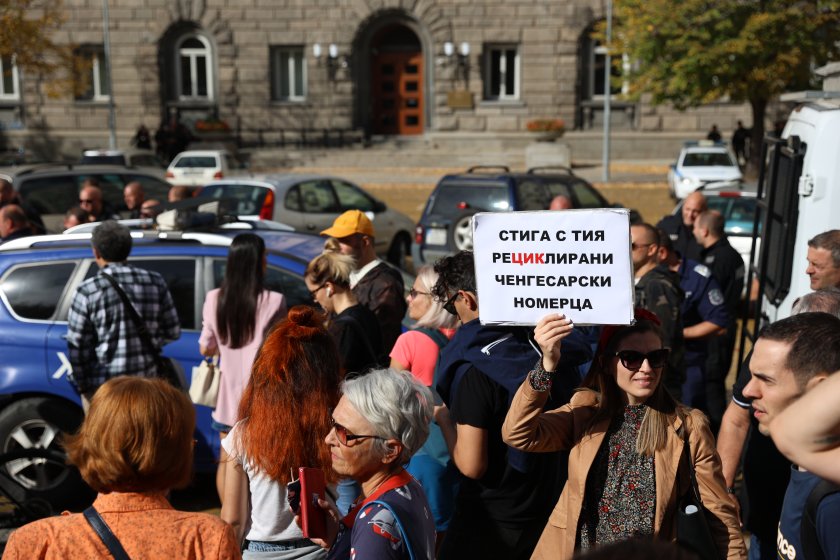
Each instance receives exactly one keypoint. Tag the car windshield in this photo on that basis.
(103, 160)
(738, 213)
(707, 159)
(249, 198)
(451, 199)
(196, 161)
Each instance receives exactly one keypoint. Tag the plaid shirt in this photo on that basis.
(101, 337)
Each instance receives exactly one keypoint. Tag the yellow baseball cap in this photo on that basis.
(352, 221)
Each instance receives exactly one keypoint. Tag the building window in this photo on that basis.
(501, 72)
(9, 83)
(195, 68)
(288, 73)
(595, 60)
(93, 83)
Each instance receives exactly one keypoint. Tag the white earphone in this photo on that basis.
(329, 291)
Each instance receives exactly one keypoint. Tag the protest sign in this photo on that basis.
(574, 262)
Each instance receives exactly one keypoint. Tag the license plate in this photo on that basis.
(436, 236)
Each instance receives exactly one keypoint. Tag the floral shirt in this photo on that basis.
(145, 524)
(620, 499)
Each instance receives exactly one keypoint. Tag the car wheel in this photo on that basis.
(462, 235)
(400, 250)
(38, 423)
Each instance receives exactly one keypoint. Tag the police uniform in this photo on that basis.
(703, 302)
(682, 236)
(728, 269)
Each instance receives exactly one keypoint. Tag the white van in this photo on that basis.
(199, 167)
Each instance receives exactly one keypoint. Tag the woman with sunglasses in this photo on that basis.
(625, 434)
(381, 420)
(284, 410)
(353, 326)
(416, 351)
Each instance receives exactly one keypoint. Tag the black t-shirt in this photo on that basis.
(356, 333)
(682, 236)
(766, 471)
(504, 494)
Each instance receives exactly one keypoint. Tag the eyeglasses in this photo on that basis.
(344, 438)
(314, 292)
(412, 293)
(633, 360)
(449, 306)
(635, 246)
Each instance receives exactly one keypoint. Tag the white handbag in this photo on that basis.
(204, 386)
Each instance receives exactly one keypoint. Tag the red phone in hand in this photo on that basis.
(313, 517)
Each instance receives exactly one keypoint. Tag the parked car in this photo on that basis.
(130, 157)
(198, 167)
(52, 189)
(738, 207)
(38, 277)
(445, 227)
(699, 164)
(310, 203)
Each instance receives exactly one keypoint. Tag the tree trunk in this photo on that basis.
(759, 109)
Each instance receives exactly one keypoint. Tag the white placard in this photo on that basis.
(575, 262)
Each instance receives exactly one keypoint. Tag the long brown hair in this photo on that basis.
(661, 406)
(285, 409)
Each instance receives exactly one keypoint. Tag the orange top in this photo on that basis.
(146, 525)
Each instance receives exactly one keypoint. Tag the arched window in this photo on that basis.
(194, 66)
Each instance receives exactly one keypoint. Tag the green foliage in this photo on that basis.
(690, 52)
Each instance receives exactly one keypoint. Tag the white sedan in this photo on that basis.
(700, 163)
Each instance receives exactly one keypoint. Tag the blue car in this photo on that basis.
(38, 277)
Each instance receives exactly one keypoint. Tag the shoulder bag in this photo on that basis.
(165, 367)
(693, 531)
(101, 528)
(204, 384)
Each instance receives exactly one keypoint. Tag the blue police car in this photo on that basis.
(38, 277)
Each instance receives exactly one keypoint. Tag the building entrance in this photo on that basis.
(397, 82)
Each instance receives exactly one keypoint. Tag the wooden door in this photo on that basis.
(398, 93)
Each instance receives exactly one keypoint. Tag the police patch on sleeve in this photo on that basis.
(715, 297)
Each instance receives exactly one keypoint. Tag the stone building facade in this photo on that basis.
(271, 69)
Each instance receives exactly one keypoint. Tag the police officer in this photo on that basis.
(704, 318)
(727, 267)
(680, 227)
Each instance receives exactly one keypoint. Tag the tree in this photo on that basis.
(26, 28)
(693, 52)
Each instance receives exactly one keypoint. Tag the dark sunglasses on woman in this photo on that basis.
(633, 360)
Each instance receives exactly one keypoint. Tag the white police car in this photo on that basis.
(700, 163)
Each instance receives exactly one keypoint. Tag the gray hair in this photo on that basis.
(396, 405)
(436, 317)
(826, 300)
(830, 241)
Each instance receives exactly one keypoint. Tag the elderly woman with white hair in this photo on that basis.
(380, 421)
(416, 351)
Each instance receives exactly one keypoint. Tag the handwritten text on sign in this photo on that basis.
(575, 262)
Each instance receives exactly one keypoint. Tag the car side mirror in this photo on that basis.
(379, 206)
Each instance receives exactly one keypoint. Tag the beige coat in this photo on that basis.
(529, 429)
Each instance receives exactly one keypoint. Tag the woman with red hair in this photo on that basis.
(283, 414)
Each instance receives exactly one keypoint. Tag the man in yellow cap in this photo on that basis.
(377, 286)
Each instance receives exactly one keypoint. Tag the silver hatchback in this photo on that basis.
(310, 203)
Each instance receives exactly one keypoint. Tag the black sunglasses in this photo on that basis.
(633, 360)
(414, 293)
(314, 292)
(343, 437)
(449, 305)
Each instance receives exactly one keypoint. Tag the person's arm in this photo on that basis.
(704, 329)
(710, 483)
(808, 431)
(236, 502)
(397, 365)
(207, 344)
(170, 324)
(81, 344)
(467, 444)
(731, 438)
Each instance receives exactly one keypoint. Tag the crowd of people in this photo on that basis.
(457, 439)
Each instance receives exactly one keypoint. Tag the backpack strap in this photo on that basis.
(438, 337)
(811, 548)
(399, 526)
